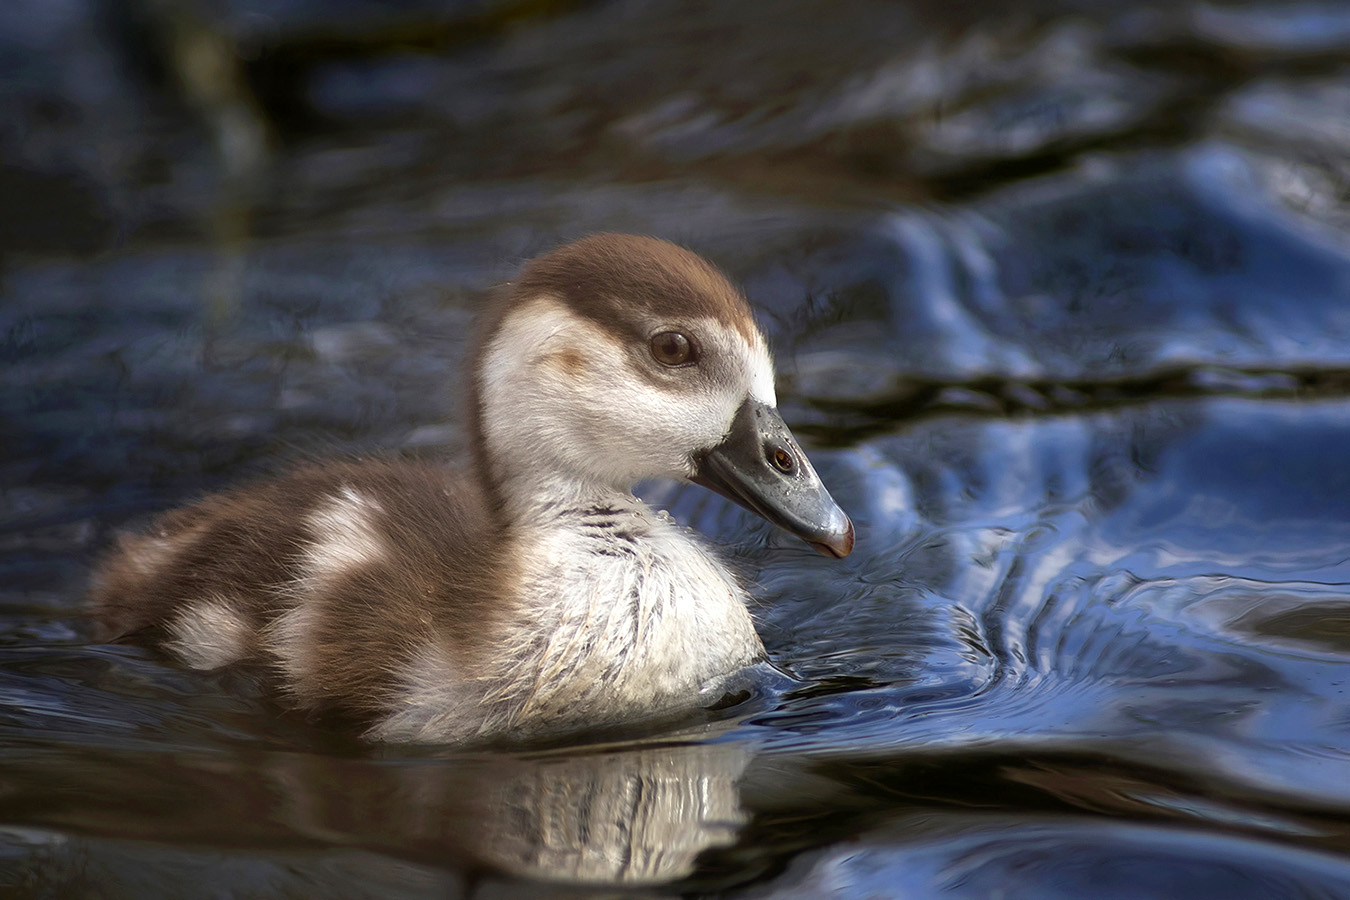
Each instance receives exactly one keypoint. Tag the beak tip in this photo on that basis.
(839, 545)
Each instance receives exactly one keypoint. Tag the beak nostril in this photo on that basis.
(782, 460)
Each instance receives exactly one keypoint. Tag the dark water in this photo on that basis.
(1060, 296)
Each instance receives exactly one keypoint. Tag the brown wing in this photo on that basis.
(333, 576)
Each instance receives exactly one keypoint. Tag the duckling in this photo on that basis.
(532, 594)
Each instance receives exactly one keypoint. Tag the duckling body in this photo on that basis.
(532, 594)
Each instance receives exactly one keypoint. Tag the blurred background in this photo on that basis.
(1060, 298)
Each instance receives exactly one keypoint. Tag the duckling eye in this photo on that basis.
(670, 348)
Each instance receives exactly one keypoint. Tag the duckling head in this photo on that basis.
(619, 358)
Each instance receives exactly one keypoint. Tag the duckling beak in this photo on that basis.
(760, 466)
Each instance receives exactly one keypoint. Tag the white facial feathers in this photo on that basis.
(759, 366)
(567, 398)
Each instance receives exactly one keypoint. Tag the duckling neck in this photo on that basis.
(529, 499)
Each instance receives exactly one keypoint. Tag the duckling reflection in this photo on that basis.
(620, 816)
(634, 816)
(533, 594)
(638, 817)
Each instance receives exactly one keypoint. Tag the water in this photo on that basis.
(1059, 300)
